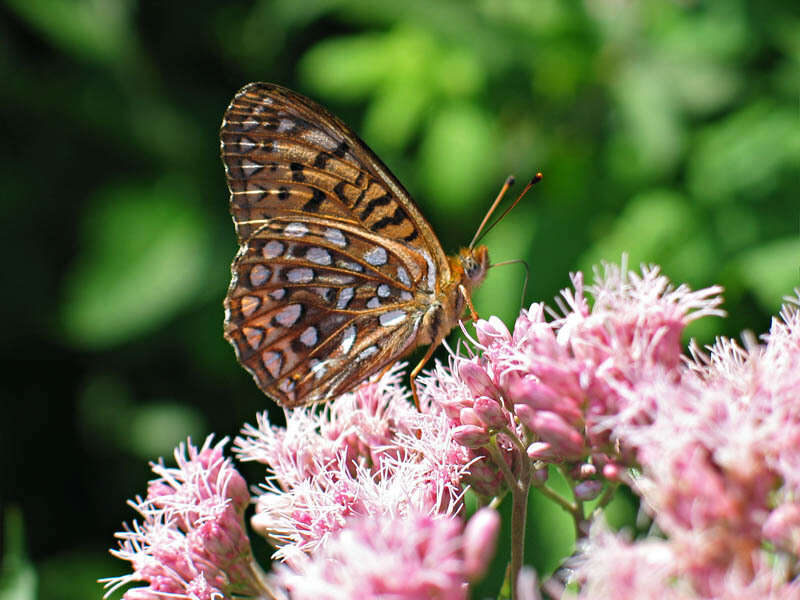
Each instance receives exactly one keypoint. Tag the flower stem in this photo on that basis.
(565, 504)
(519, 513)
(497, 457)
(260, 576)
(608, 495)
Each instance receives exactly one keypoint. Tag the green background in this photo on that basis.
(668, 130)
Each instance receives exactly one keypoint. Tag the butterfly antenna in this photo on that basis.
(507, 184)
(527, 275)
(482, 232)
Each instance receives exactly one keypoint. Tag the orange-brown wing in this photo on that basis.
(315, 306)
(285, 153)
(325, 232)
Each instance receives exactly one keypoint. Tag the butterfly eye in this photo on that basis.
(475, 262)
(471, 267)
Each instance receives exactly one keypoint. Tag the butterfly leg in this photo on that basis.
(416, 371)
(472, 314)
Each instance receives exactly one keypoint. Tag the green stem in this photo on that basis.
(497, 456)
(557, 498)
(576, 509)
(519, 485)
(519, 514)
(260, 577)
(608, 494)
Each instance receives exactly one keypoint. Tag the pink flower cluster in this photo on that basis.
(414, 557)
(363, 500)
(719, 455)
(363, 496)
(546, 392)
(612, 566)
(366, 453)
(192, 542)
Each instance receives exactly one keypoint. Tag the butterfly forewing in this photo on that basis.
(334, 253)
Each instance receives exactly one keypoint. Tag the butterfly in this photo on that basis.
(338, 274)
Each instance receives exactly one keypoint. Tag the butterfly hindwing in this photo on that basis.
(316, 296)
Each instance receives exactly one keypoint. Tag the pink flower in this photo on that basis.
(363, 496)
(368, 453)
(718, 450)
(364, 425)
(473, 419)
(480, 540)
(415, 557)
(611, 566)
(782, 527)
(556, 388)
(192, 542)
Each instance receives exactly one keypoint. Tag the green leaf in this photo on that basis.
(95, 29)
(73, 575)
(771, 271)
(658, 226)
(745, 154)
(394, 115)
(348, 68)
(651, 140)
(18, 580)
(112, 418)
(155, 428)
(458, 73)
(143, 258)
(550, 532)
(622, 510)
(457, 158)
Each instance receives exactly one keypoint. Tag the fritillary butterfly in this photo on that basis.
(338, 274)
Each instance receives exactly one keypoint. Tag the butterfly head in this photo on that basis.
(474, 262)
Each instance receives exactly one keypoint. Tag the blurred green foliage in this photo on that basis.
(668, 130)
(18, 579)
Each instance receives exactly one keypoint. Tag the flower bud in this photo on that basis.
(782, 527)
(477, 380)
(588, 490)
(470, 436)
(563, 379)
(543, 397)
(490, 413)
(564, 440)
(526, 415)
(611, 471)
(480, 541)
(484, 477)
(237, 491)
(491, 331)
(540, 451)
(541, 475)
(467, 416)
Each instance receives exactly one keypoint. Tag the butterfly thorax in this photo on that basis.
(468, 270)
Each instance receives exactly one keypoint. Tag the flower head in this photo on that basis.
(367, 453)
(191, 543)
(718, 454)
(556, 387)
(414, 556)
